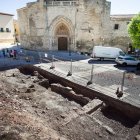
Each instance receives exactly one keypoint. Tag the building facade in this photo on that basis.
(6, 28)
(17, 32)
(75, 25)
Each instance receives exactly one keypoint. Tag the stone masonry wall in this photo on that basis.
(120, 36)
(89, 24)
(32, 26)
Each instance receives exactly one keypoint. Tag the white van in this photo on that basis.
(106, 52)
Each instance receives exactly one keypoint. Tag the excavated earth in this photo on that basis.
(29, 110)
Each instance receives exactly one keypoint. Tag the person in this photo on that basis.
(3, 51)
(15, 54)
(11, 53)
(137, 53)
(7, 53)
(129, 50)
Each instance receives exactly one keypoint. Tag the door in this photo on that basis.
(62, 44)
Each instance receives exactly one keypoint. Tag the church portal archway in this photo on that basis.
(62, 34)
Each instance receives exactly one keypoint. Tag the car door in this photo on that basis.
(132, 61)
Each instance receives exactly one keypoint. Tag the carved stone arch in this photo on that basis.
(61, 33)
(61, 20)
(62, 29)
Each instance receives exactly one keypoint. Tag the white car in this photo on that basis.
(127, 60)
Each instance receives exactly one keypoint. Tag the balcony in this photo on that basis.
(62, 3)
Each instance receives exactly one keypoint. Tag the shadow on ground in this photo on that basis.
(113, 114)
(97, 61)
(131, 69)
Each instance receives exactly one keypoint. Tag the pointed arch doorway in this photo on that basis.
(62, 43)
(62, 34)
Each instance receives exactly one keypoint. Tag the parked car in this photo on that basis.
(127, 60)
(106, 52)
(137, 53)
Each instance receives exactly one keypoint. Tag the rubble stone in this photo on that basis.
(44, 83)
(137, 137)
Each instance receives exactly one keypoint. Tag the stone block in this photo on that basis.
(44, 83)
(69, 93)
(92, 106)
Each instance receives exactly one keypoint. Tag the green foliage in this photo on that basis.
(134, 31)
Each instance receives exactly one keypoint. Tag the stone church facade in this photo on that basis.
(75, 25)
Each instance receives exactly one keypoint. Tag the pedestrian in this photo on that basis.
(7, 53)
(11, 53)
(15, 54)
(3, 51)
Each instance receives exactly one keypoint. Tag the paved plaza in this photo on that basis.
(106, 77)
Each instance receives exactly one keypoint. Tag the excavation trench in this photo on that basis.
(82, 94)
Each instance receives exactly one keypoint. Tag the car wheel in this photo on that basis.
(101, 58)
(118, 64)
(124, 64)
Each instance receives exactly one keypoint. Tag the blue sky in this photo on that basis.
(117, 6)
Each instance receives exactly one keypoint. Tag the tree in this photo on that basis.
(134, 30)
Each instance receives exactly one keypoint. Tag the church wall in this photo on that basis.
(89, 24)
(32, 26)
(54, 15)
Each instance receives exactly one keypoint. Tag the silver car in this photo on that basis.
(127, 60)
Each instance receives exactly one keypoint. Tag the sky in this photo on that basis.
(117, 6)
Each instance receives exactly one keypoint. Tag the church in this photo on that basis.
(72, 25)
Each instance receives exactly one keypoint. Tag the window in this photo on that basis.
(116, 26)
(121, 53)
(132, 59)
(120, 58)
(1, 30)
(7, 30)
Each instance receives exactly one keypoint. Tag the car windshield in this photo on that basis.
(122, 53)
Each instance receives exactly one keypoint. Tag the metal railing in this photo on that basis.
(115, 81)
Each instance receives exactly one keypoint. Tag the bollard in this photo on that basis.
(70, 72)
(91, 78)
(52, 66)
(119, 93)
(40, 57)
(122, 84)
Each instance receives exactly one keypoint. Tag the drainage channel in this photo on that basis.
(80, 94)
(65, 91)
